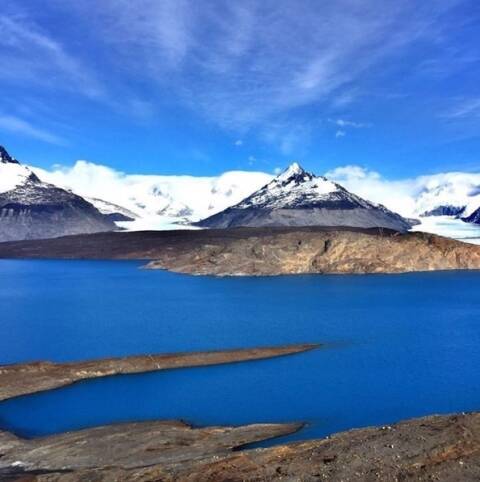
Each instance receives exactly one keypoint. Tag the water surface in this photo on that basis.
(396, 346)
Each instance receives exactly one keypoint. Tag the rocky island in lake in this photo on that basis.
(263, 251)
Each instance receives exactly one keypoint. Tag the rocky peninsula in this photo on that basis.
(26, 378)
(262, 251)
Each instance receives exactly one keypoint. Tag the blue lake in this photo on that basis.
(396, 346)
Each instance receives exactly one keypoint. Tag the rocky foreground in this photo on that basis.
(445, 448)
(262, 251)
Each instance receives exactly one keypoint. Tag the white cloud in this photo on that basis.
(22, 127)
(347, 123)
(238, 142)
(396, 195)
(340, 133)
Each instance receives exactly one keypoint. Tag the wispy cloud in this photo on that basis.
(343, 124)
(22, 127)
(241, 63)
(348, 123)
(28, 54)
(244, 66)
(465, 108)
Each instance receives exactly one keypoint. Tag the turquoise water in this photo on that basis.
(395, 346)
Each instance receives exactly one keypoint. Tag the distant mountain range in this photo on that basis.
(456, 195)
(163, 201)
(299, 198)
(32, 209)
(88, 198)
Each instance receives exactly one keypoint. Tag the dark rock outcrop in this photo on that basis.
(445, 210)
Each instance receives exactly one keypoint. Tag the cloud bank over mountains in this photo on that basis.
(157, 200)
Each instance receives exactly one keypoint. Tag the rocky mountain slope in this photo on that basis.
(113, 211)
(299, 198)
(473, 217)
(31, 209)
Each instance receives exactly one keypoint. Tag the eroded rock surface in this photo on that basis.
(442, 448)
(25, 378)
(316, 251)
(130, 445)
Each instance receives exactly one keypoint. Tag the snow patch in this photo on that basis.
(12, 175)
(450, 228)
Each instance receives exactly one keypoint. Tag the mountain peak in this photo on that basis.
(5, 156)
(294, 170)
(295, 167)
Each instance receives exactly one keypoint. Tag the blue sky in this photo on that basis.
(200, 87)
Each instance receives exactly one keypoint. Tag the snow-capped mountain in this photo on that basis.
(452, 194)
(445, 210)
(32, 209)
(299, 198)
(12, 173)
